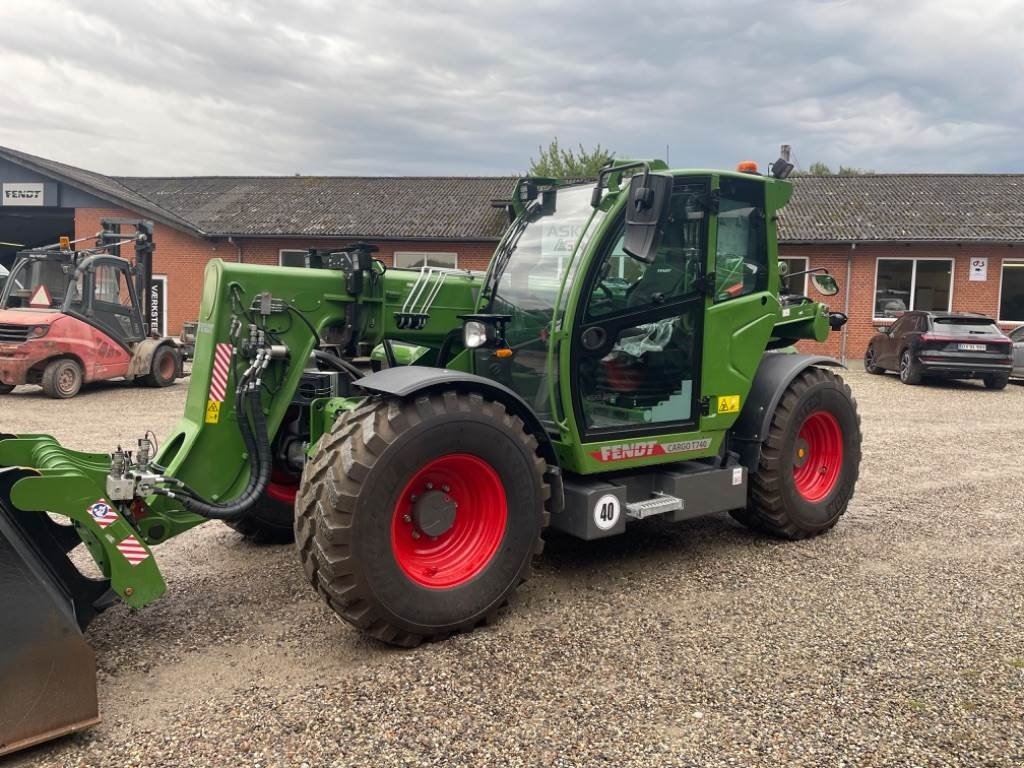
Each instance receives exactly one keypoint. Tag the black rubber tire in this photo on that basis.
(62, 379)
(268, 521)
(6, 389)
(164, 369)
(775, 506)
(869, 362)
(910, 369)
(347, 500)
(996, 380)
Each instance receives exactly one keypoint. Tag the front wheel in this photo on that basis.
(271, 520)
(809, 461)
(870, 362)
(62, 379)
(419, 518)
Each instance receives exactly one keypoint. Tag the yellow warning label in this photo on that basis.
(729, 404)
(212, 412)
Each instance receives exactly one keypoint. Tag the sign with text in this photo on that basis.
(979, 270)
(158, 305)
(24, 193)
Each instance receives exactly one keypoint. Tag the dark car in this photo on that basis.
(942, 345)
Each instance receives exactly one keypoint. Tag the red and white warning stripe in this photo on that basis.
(133, 552)
(103, 513)
(221, 368)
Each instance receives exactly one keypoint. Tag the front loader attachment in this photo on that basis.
(47, 670)
(52, 501)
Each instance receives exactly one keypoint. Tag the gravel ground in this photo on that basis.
(897, 639)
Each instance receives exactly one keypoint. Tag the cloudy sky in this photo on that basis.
(148, 87)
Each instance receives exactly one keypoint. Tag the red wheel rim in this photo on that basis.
(460, 553)
(818, 456)
(283, 487)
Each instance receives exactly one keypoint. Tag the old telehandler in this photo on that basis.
(627, 354)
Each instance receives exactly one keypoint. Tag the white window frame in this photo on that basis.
(913, 281)
(283, 251)
(807, 265)
(415, 255)
(999, 298)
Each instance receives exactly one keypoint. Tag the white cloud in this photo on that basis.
(450, 87)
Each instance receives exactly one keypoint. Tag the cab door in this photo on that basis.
(743, 308)
(636, 337)
(113, 306)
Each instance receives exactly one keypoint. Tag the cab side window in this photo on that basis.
(626, 284)
(741, 256)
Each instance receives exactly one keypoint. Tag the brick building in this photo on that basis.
(893, 241)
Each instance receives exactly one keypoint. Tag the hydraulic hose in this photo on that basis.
(257, 446)
(338, 364)
(260, 462)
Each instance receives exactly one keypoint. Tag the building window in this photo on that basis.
(1011, 292)
(291, 258)
(905, 284)
(798, 285)
(417, 259)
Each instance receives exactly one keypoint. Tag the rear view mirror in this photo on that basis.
(825, 284)
(646, 208)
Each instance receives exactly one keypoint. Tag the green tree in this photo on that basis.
(821, 169)
(566, 164)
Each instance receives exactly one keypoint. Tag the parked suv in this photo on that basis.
(942, 345)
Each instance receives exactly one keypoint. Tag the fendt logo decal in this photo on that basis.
(624, 451)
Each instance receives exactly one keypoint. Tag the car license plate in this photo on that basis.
(971, 347)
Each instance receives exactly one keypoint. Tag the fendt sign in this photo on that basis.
(28, 193)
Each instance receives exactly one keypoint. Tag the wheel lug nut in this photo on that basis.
(406, 519)
(430, 486)
(445, 488)
(415, 534)
(413, 497)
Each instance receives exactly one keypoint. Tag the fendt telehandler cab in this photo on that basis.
(69, 316)
(616, 362)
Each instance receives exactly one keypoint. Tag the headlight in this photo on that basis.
(38, 331)
(474, 334)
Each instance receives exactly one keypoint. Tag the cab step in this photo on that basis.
(656, 505)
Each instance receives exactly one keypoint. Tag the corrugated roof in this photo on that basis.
(387, 207)
(905, 208)
(876, 208)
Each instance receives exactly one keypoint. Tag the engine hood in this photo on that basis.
(29, 316)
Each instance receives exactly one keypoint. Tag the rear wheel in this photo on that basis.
(419, 518)
(910, 369)
(6, 389)
(62, 379)
(271, 520)
(809, 461)
(164, 368)
(870, 364)
(996, 380)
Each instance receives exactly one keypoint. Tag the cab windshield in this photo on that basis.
(35, 283)
(528, 288)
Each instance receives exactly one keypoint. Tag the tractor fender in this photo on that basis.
(142, 356)
(775, 372)
(405, 381)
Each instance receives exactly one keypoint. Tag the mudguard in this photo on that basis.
(774, 374)
(406, 381)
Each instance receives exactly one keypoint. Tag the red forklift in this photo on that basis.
(69, 317)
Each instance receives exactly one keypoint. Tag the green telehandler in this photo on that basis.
(627, 354)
